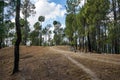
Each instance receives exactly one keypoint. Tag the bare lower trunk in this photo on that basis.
(89, 44)
(17, 43)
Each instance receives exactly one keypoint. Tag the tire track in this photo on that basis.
(85, 69)
(100, 60)
(93, 58)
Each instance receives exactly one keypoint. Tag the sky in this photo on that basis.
(51, 9)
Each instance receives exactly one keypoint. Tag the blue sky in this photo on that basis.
(51, 9)
(62, 2)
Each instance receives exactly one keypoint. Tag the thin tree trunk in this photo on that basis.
(89, 43)
(83, 44)
(1, 21)
(17, 43)
(80, 44)
(0, 43)
(115, 22)
(26, 31)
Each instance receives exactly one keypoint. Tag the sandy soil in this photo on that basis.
(58, 63)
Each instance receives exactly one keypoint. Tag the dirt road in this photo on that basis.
(98, 66)
(58, 63)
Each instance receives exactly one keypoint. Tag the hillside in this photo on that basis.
(58, 63)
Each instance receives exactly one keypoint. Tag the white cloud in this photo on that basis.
(47, 9)
(82, 3)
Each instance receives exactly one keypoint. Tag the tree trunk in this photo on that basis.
(0, 43)
(89, 43)
(79, 44)
(115, 22)
(17, 43)
(118, 1)
(75, 42)
(83, 44)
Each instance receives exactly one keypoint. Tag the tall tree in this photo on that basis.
(95, 12)
(2, 29)
(57, 26)
(27, 8)
(34, 36)
(47, 33)
(72, 8)
(115, 26)
(41, 19)
(17, 43)
(81, 22)
(69, 29)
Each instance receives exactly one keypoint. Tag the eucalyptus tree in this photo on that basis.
(27, 8)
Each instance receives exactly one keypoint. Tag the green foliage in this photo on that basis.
(93, 25)
(58, 33)
(34, 37)
(71, 5)
(41, 18)
(37, 26)
(69, 28)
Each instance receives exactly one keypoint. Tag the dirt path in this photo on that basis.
(58, 63)
(87, 70)
(92, 57)
(84, 68)
(100, 59)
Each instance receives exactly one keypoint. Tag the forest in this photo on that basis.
(95, 26)
(87, 48)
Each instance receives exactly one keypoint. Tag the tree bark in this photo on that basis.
(0, 43)
(17, 43)
(115, 27)
(89, 43)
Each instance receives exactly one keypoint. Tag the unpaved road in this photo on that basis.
(58, 63)
(87, 70)
(98, 66)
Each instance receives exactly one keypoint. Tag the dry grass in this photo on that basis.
(43, 63)
(102, 65)
(106, 66)
(39, 63)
